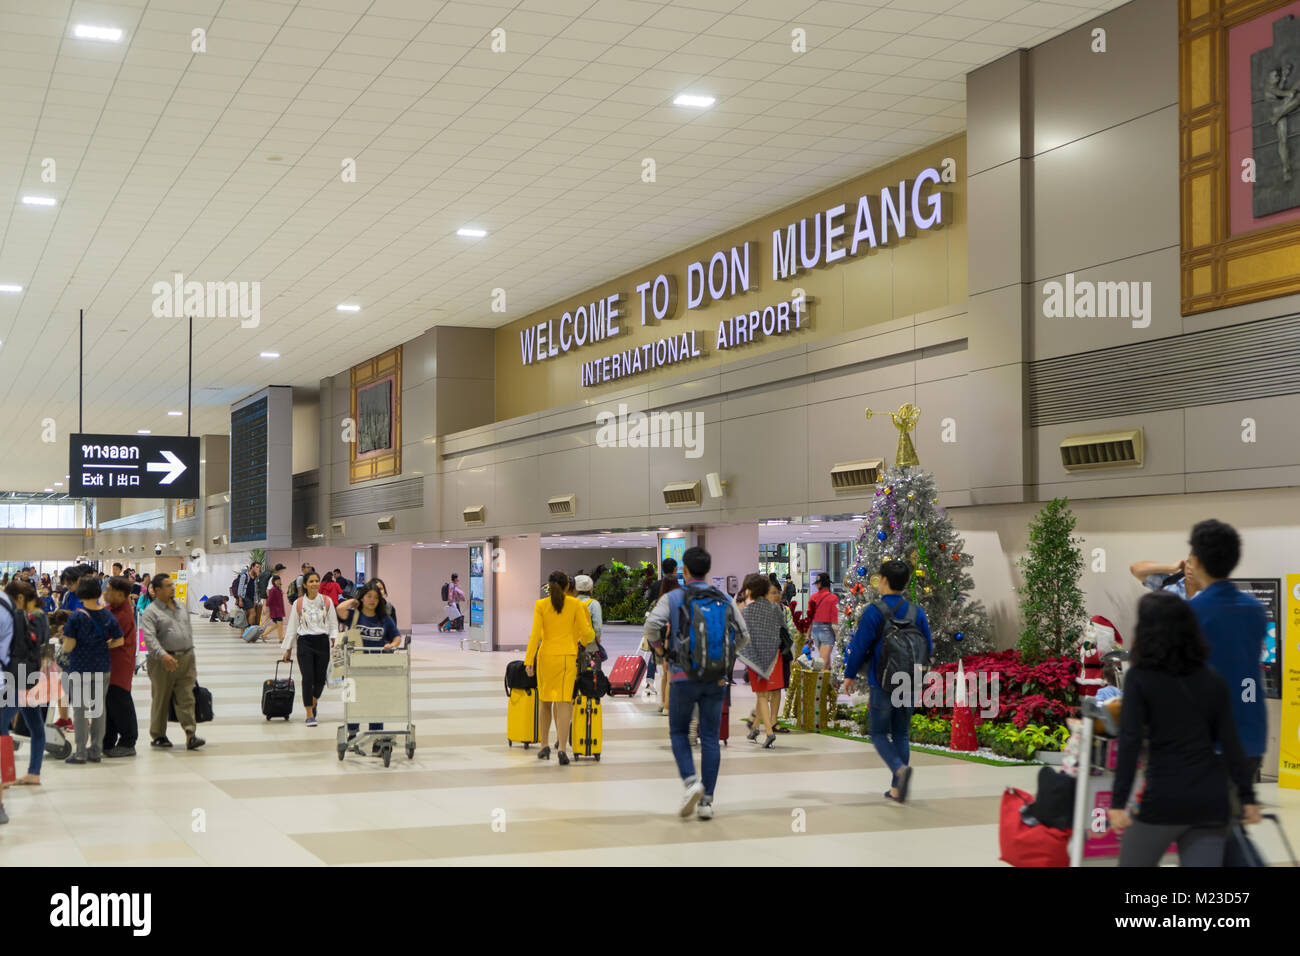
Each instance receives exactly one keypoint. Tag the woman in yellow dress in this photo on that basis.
(560, 626)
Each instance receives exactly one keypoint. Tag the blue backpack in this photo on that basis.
(703, 638)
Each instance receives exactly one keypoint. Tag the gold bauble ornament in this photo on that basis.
(875, 582)
(920, 572)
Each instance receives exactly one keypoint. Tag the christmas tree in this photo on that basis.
(1051, 601)
(905, 523)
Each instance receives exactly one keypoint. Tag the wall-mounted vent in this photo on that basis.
(682, 494)
(386, 523)
(475, 514)
(313, 531)
(221, 540)
(855, 477)
(339, 527)
(1102, 450)
(563, 506)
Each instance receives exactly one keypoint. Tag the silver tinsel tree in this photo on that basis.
(906, 523)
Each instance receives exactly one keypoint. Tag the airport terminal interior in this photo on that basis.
(649, 433)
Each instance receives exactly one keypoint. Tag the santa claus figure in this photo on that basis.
(1099, 639)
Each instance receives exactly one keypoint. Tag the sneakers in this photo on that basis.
(120, 752)
(194, 743)
(705, 810)
(63, 723)
(694, 792)
(311, 721)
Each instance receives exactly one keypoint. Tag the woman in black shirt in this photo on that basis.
(1181, 707)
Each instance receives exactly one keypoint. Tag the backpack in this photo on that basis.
(703, 638)
(291, 594)
(24, 652)
(517, 677)
(234, 588)
(905, 650)
(446, 592)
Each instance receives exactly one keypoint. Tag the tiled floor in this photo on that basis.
(275, 793)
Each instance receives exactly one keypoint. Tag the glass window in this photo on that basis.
(67, 516)
(49, 516)
(4, 516)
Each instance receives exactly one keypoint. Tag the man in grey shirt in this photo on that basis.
(171, 665)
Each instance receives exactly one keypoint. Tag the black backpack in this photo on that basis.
(905, 650)
(24, 652)
(517, 677)
(446, 592)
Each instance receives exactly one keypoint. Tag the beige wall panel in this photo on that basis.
(1077, 93)
(994, 428)
(620, 482)
(765, 462)
(995, 232)
(1107, 197)
(998, 130)
(868, 288)
(1162, 440)
(462, 402)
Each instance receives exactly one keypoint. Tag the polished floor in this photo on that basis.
(275, 793)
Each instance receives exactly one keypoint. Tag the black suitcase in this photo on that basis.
(202, 706)
(277, 696)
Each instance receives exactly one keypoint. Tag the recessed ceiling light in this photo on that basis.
(348, 308)
(175, 414)
(143, 431)
(202, 461)
(471, 233)
(11, 288)
(58, 484)
(270, 354)
(84, 32)
(39, 201)
(698, 102)
(49, 489)
(275, 158)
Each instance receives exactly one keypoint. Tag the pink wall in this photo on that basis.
(430, 567)
(395, 569)
(322, 559)
(734, 548)
(516, 588)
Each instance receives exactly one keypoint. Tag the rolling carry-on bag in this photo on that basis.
(277, 695)
(522, 717)
(524, 705)
(724, 728)
(586, 733)
(252, 634)
(625, 676)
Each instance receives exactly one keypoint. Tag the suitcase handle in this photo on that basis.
(278, 662)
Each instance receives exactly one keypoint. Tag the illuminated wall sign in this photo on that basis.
(844, 231)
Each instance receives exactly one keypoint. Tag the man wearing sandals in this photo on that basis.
(890, 725)
(171, 663)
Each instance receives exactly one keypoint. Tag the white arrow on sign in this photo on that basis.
(173, 466)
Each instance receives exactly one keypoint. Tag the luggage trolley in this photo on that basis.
(376, 687)
(1096, 779)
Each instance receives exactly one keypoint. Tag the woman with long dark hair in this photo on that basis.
(312, 628)
(561, 625)
(1181, 708)
(666, 584)
(762, 655)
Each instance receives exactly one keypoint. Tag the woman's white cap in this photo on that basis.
(583, 583)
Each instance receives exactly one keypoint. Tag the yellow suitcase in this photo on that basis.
(522, 717)
(586, 734)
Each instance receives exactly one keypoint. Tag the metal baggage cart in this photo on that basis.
(377, 689)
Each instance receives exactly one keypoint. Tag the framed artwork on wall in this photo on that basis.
(376, 410)
(1239, 151)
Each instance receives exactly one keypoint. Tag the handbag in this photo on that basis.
(1025, 843)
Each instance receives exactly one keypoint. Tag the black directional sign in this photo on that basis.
(133, 466)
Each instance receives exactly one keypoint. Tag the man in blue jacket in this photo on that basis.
(890, 725)
(1234, 625)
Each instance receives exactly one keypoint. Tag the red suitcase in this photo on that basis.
(724, 728)
(625, 676)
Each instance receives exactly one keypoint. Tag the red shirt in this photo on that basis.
(121, 660)
(332, 591)
(275, 603)
(825, 607)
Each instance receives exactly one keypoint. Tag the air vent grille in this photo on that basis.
(682, 494)
(475, 514)
(1104, 450)
(563, 506)
(852, 477)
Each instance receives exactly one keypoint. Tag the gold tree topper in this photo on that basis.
(905, 420)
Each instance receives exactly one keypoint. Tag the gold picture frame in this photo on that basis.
(376, 411)
(1219, 269)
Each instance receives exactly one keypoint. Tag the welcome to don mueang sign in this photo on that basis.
(841, 232)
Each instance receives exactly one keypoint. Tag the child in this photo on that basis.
(57, 620)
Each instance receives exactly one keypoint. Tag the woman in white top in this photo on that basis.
(312, 628)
